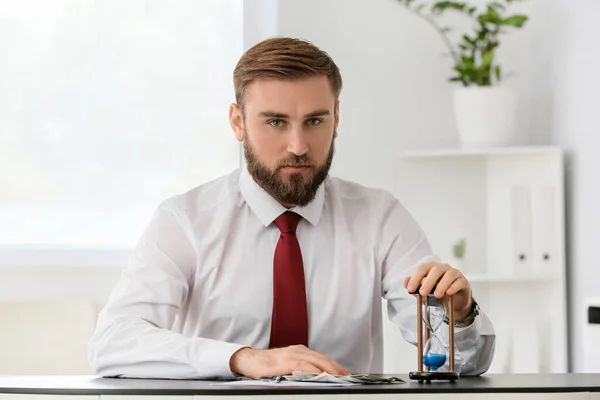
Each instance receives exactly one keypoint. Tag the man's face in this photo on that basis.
(288, 129)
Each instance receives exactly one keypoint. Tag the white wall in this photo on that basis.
(49, 314)
(57, 284)
(572, 117)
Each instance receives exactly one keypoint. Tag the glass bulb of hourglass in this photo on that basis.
(435, 312)
(434, 355)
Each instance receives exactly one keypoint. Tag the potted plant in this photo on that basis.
(484, 108)
(458, 254)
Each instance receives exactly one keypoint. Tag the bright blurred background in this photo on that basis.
(108, 107)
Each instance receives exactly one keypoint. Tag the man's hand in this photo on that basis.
(257, 364)
(450, 282)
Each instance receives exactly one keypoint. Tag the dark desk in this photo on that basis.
(525, 386)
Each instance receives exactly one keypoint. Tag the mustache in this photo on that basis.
(296, 161)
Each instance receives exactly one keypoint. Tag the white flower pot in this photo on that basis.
(485, 115)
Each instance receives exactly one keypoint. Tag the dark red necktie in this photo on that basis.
(289, 324)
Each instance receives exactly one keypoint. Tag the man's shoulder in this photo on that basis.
(205, 196)
(380, 207)
(352, 190)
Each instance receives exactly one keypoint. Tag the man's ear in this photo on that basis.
(336, 116)
(236, 119)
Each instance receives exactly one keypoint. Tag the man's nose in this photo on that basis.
(297, 143)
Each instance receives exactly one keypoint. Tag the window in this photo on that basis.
(107, 108)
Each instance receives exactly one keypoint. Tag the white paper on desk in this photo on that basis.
(280, 384)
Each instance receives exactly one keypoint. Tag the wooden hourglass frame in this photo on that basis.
(425, 374)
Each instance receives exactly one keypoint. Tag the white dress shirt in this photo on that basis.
(199, 283)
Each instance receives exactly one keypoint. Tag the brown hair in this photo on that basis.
(284, 58)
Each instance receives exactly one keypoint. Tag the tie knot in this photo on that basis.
(288, 222)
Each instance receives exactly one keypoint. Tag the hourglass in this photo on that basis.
(431, 313)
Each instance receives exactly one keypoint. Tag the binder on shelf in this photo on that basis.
(543, 228)
(521, 235)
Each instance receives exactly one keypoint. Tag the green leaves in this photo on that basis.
(470, 42)
(470, 72)
(487, 60)
(441, 6)
(474, 53)
(498, 5)
(516, 20)
(459, 248)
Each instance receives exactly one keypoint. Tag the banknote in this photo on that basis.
(299, 376)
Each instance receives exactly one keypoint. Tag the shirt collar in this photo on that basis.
(267, 208)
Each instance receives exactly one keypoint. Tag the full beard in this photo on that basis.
(298, 190)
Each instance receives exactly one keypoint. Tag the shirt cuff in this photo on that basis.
(481, 326)
(466, 331)
(213, 357)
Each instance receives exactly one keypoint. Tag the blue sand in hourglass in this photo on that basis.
(434, 360)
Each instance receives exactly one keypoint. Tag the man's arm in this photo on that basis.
(134, 337)
(403, 247)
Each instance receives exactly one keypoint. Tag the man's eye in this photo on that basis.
(313, 121)
(276, 123)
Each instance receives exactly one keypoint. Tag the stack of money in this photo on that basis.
(355, 379)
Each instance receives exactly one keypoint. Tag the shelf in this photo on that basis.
(509, 278)
(483, 195)
(480, 152)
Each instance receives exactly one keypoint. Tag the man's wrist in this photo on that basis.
(466, 317)
(236, 361)
(464, 312)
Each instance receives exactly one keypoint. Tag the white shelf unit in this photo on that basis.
(508, 204)
(480, 152)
